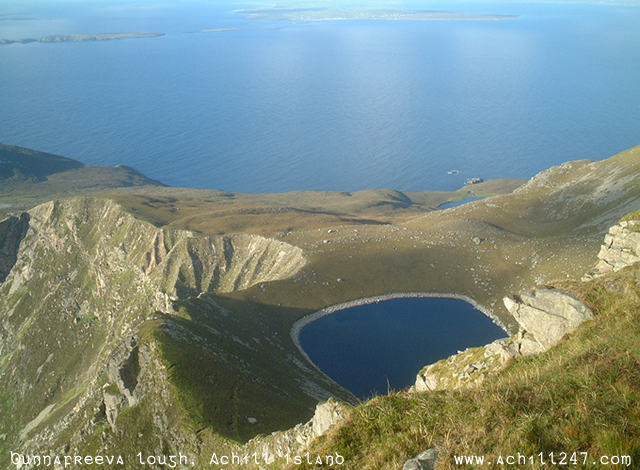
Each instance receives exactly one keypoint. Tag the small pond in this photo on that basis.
(376, 346)
(459, 202)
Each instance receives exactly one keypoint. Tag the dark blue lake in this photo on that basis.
(369, 348)
(340, 105)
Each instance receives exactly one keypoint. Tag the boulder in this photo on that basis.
(423, 461)
(425, 381)
(502, 348)
(546, 315)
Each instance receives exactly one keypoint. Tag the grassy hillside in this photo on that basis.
(111, 325)
(580, 396)
(151, 317)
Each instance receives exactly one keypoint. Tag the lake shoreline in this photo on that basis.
(299, 324)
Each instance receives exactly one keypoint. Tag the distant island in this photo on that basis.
(81, 37)
(216, 30)
(327, 14)
(17, 41)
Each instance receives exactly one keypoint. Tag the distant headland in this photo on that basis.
(335, 14)
(81, 37)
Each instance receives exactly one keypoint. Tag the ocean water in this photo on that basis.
(276, 106)
(370, 348)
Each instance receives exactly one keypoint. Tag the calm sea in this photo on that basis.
(276, 106)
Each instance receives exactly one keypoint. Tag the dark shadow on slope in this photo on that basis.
(231, 362)
(25, 164)
(12, 231)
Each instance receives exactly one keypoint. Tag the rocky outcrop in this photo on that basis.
(180, 262)
(466, 368)
(621, 248)
(427, 380)
(453, 375)
(546, 315)
(295, 440)
(424, 461)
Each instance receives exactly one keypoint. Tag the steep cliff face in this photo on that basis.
(66, 297)
(176, 260)
(109, 324)
(223, 264)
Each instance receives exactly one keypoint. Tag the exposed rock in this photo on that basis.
(327, 414)
(524, 344)
(295, 440)
(34, 423)
(123, 369)
(176, 260)
(426, 380)
(502, 348)
(423, 461)
(547, 314)
(474, 180)
(112, 404)
(621, 248)
(219, 264)
(466, 368)
(544, 315)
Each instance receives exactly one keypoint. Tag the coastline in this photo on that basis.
(299, 324)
